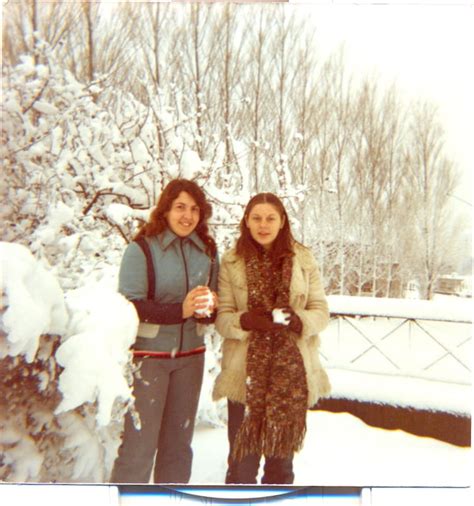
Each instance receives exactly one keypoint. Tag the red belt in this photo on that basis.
(167, 354)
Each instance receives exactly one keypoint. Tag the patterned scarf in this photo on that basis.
(276, 391)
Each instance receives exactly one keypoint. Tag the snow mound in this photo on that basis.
(102, 328)
(416, 393)
(33, 300)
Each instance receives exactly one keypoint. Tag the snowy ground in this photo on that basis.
(341, 450)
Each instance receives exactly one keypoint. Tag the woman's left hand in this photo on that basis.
(294, 324)
(212, 308)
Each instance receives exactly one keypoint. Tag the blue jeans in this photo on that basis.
(166, 397)
(275, 471)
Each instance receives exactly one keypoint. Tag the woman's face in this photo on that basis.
(183, 217)
(264, 222)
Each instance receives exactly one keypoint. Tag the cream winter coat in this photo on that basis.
(307, 299)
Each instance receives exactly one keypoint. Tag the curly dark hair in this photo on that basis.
(283, 245)
(158, 223)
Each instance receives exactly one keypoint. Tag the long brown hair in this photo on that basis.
(158, 223)
(283, 245)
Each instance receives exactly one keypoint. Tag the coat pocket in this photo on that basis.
(148, 330)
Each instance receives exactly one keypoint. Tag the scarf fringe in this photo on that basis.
(282, 441)
(248, 440)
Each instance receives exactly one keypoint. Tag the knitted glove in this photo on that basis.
(295, 324)
(258, 319)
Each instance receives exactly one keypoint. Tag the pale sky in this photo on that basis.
(426, 47)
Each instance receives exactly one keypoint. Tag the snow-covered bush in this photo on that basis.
(65, 363)
(83, 165)
(66, 159)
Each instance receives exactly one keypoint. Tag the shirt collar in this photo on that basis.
(168, 237)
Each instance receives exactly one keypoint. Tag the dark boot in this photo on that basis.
(244, 471)
(278, 471)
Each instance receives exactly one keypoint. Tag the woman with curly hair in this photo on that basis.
(271, 308)
(169, 349)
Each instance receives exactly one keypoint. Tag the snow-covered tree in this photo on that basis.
(433, 179)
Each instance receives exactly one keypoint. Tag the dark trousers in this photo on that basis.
(275, 471)
(166, 397)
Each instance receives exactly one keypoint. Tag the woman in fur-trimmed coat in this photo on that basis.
(271, 371)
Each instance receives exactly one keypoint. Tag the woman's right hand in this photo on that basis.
(194, 301)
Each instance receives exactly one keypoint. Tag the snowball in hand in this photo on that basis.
(280, 316)
(209, 299)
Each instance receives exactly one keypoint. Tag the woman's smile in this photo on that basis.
(183, 217)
